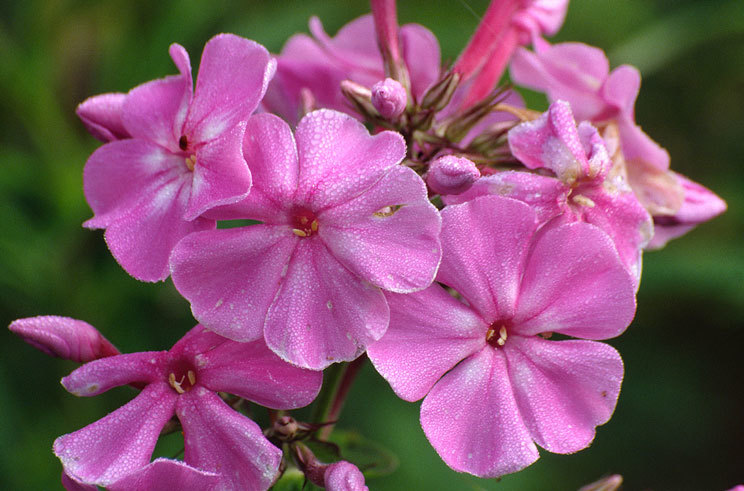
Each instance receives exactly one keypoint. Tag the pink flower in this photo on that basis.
(160, 474)
(319, 64)
(493, 386)
(63, 337)
(344, 476)
(389, 98)
(451, 175)
(587, 186)
(342, 221)
(184, 381)
(183, 156)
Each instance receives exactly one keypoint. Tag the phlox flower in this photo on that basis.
(341, 221)
(492, 385)
(184, 381)
(173, 152)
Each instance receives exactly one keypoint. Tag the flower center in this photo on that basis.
(304, 223)
(496, 336)
(182, 377)
(183, 144)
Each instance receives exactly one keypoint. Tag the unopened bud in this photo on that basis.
(64, 338)
(451, 175)
(440, 94)
(286, 427)
(610, 483)
(360, 97)
(389, 98)
(344, 476)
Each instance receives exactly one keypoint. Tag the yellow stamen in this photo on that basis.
(176, 385)
(192, 377)
(299, 233)
(314, 226)
(191, 162)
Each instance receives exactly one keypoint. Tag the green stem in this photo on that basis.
(332, 377)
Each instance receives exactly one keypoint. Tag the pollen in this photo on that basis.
(493, 339)
(191, 162)
(184, 384)
(304, 223)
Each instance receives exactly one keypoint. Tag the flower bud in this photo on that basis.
(451, 175)
(344, 476)
(610, 483)
(389, 98)
(64, 338)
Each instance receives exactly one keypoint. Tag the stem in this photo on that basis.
(331, 383)
(347, 379)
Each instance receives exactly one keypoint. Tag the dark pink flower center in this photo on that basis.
(304, 223)
(496, 335)
(183, 144)
(182, 376)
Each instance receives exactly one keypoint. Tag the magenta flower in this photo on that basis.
(342, 221)
(493, 386)
(319, 64)
(63, 337)
(451, 175)
(184, 381)
(184, 155)
(344, 476)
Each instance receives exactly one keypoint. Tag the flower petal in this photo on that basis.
(564, 389)
(221, 440)
(103, 374)
(233, 75)
(323, 313)
(252, 371)
(101, 115)
(472, 420)
(429, 333)
(231, 276)
(119, 443)
(167, 475)
(422, 56)
(388, 235)
(339, 158)
(484, 248)
(574, 283)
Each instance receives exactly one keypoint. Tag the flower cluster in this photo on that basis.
(450, 245)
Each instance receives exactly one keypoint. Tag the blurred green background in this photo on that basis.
(679, 423)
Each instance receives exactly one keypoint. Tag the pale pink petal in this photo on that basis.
(231, 276)
(323, 313)
(429, 333)
(354, 49)
(221, 440)
(472, 420)
(221, 175)
(422, 57)
(196, 341)
(484, 248)
(339, 158)
(121, 174)
(142, 240)
(64, 337)
(388, 235)
(621, 88)
(545, 195)
(101, 375)
(101, 115)
(155, 111)
(233, 75)
(564, 389)
(638, 146)
(167, 475)
(119, 443)
(252, 371)
(344, 476)
(574, 283)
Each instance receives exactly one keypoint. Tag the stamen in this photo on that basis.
(299, 233)
(502, 336)
(192, 377)
(183, 142)
(177, 385)
(191, 162)
(583, 201)
(304, 223)
(495, 341)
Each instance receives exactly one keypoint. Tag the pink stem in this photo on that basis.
(491, 72)
(386, 27)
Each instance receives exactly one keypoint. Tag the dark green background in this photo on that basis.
(679, 423)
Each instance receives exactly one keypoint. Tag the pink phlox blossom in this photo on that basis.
(64, 337)
(184, 382)
(587, 185)
(493, 387)
(159, 475)
(319, 63)
(341, 221)
(181, 153)
(344, 476)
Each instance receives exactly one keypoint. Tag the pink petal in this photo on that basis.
(252, 371)
(119, 443)
(231, 276)
(64, 337)
(221, 440)
(575, 284)
(70, 484)
(388, 235)
(233, 75)
(564, 389)
(142, 240)
(484, 248)
(422, 57)
(167, 475)
(621, 88)
(101, 115)
(344, 476)
(121, 174)
(339, 158)
(700, 204)
(221, 174)
(155, 111)
(353, 48)
(98, 376)
(429, 333)
(472, 420)
(323, 313)
(637, 145)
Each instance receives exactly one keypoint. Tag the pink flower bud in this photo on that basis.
(610, 483)
(64, 338)
(389, 98)
(344, 476)
(451, 175)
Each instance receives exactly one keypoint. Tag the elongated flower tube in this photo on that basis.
(493, 386)
(183, 155)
